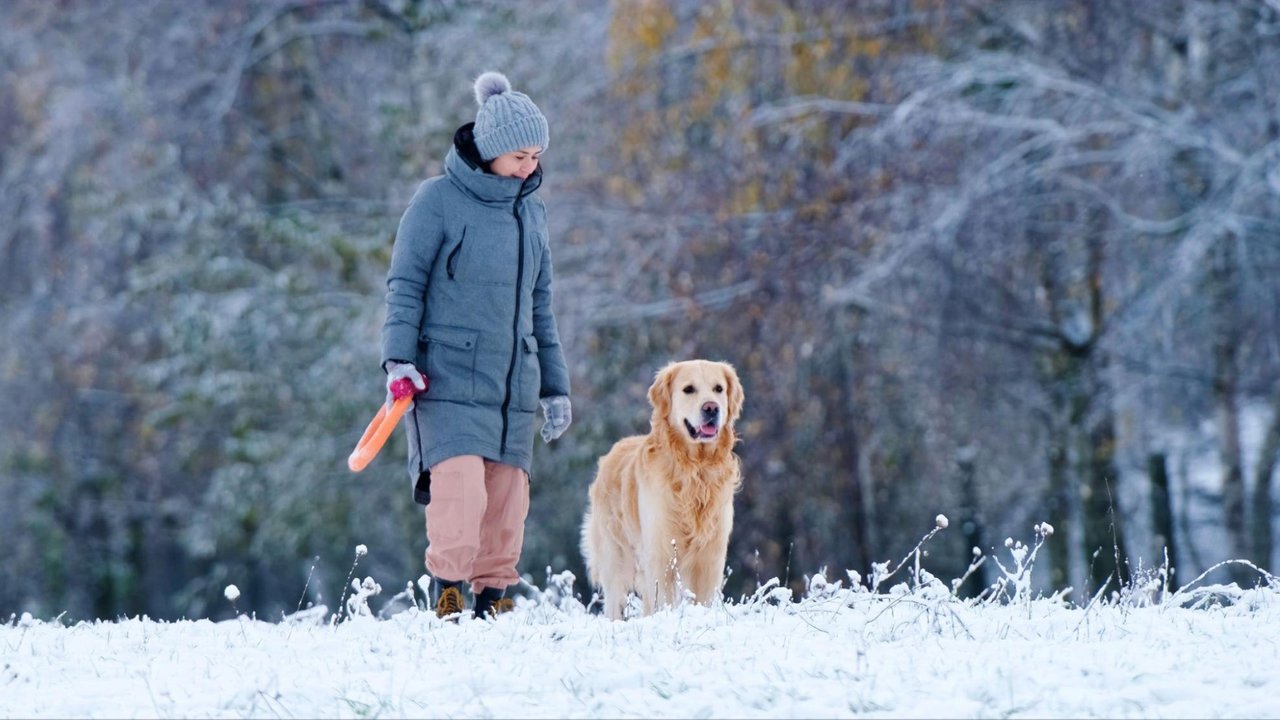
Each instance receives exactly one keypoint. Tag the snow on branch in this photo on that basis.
(718, 298)
(798, 107)
(1046, 89)
(1012, 124)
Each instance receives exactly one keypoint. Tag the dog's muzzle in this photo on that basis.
(708, 425)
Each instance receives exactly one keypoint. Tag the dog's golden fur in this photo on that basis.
(662, 504)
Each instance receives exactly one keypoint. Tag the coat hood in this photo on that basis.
(465, 169)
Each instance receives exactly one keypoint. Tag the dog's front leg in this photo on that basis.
(660, 571)
(706, 574)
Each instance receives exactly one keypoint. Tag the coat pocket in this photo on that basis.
(486, 255)
(530, 385)
(450, 362)
(451, 262)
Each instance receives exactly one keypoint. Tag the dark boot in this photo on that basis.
(449, 603)
(490, 603)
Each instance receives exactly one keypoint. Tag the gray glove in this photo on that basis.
(558, 414)
(397, 370)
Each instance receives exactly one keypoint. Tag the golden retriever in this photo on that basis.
(662, 504)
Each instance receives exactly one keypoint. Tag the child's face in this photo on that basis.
(518, 164)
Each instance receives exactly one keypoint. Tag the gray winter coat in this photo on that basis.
(469, 303)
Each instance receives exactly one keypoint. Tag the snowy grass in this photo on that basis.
(847, 647)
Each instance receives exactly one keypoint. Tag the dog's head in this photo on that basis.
(697, 400)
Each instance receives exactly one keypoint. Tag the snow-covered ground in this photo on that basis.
(913, 651)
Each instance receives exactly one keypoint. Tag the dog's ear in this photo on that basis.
(660, 393)
(733, 391)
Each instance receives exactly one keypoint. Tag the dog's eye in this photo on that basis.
(719, 389)
(689, 390)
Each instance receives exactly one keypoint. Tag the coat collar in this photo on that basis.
(465, 169)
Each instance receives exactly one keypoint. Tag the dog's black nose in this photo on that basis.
(710, 410)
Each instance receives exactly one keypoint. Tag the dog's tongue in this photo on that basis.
(708, 430)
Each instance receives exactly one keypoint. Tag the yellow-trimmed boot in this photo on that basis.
(449, 604)
(491, 603)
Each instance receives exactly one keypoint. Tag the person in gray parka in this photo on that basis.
(469, 322)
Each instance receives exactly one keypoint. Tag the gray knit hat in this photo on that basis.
(507, 120)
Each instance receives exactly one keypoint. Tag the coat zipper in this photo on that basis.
(515, 321)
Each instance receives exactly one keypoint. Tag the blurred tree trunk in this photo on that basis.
(1075, 377)
(1224, 296)
(1090, 434)
(1102, 527)
(1064, 566)
(1263, 503)
(972, 522)
(1162, 508)
(852, 494)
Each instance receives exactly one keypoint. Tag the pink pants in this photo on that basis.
(475, 521)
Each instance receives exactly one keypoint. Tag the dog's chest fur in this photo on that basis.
(700, 499)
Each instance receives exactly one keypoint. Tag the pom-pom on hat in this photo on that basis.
(507, 120)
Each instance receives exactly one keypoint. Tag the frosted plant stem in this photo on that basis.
(307, 584)
(1271, 579)
(360, 551)
(914, 552)
(1092, 602)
